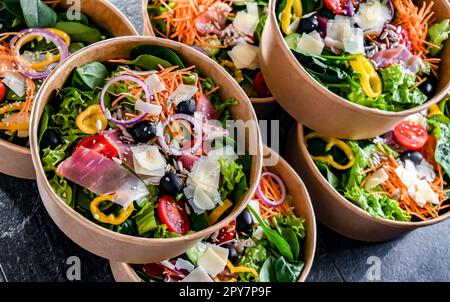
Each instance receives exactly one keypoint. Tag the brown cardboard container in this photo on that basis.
(336, 212)
(15, 159)
(263, 106)
(318, 108)
(295, 187)
(99, 240)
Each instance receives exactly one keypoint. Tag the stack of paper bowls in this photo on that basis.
(314, 106)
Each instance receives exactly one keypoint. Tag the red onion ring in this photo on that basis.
(197, 140)
(118, 79)
(266, 200)
(19, 40)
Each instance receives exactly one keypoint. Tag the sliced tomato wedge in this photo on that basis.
(173, 214)
(99, 144)
(226, 233)
(410, 135)
(336, 6)
(2, 91)
(260, 87)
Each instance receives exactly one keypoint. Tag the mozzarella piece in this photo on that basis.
(245, 55)
(198, 275)
(213, 263)
(154, 83)
(376, 179)
(372, 15)
(182, 93)
(148, 160)
(148, 108)
(311, 44)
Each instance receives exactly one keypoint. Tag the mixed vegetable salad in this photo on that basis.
(227, 31)
(381, 54)
(138, 147)
(34, 37)
(265, 244)
(402, 175)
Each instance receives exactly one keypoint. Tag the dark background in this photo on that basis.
(32, 248)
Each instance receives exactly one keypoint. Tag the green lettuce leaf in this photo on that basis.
(442, 152)
(437, 35)
(232, 174)
(145, 219)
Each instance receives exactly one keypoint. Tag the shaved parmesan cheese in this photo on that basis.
(154, 84)
(338, 29)
(226, 152)
(148, 160)
(376, 179)
(372, 15)
(167, 264)
(252, 9)
(311, 44)
(15, 82)
(221, 251)
(354, 41)
(148, 107)
(213, 263)
(258, 233)
(198, 275)
(184, 264)
(183, 93)
(202, 200)
(245, 56)
(247, 22)
(254, 204)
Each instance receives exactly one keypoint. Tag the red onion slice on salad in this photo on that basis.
(272, 203)
(106, 111)
(197, 131)
(26, 36)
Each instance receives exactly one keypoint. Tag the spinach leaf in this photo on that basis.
(163, 53)
(267, 272)
(330, 176)
(442, 153)
(79, 32)
(291, 237)
(43, 125)
(13, 7)
(37, 14)
(274, 238)
(287, 272)
(76, 46)
(199, 221)
(89, 76)
(149, 62)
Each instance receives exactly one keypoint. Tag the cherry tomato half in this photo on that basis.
(2, 91)
(336, 6)
(226, 233)
(173, 214)
(410, 135)
(260, 87)
(99, 144)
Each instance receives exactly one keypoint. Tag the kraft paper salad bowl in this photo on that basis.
(316, 107)
(96, 238)
(338, 213)
(301, 203)
(16, 159)
(263, 105)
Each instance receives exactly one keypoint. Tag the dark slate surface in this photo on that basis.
(32, 248)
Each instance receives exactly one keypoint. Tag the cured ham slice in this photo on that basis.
(213, 20)
(124, 149)
(401, 55)
(102, 176)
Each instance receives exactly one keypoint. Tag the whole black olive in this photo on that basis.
(171, 184)
(143, 131)
(51, 139)
(428, 89)
(244, 223)
(309, 23)
(414, 156)
(187, 107)
(232, 253)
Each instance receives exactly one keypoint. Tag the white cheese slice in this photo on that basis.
(372, 15)
(154, 83)
(148, 160)
(221, 251)
(184, 264)
(245, 23)
(245, 55)
(182, 93)
(376, 179)
(148, 108)
(227, 152)
(338, 29)
(198, 275)
(310, 44)
(354, 41)
(213, 263)
(15, 82)
(202, 200)
(254, 204)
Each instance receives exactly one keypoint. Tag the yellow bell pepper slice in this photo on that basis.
(17, 124)
(87, 121)
(434, 110)
(11, 107)
(286, 15)
(218, 211)
(332, 142)
(111, 218)
(241, 269)
(60, 34)
(370, 80)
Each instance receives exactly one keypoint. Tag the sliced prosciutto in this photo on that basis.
(124, 149)
(102, 176)
(403, 56)
(213, 20)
